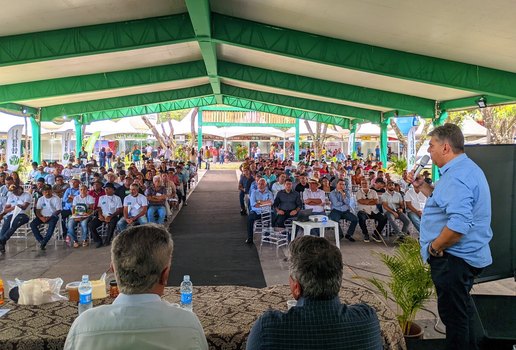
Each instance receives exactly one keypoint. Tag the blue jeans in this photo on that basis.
(160, 210)
(416, 220)
(337, 215)
(72, 224)
(122, 224)
(50, 230)
(7, 231)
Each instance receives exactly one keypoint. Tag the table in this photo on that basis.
(307, 226)
(226, 313)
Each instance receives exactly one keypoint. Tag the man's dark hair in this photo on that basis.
(317, 266)
(451, 134)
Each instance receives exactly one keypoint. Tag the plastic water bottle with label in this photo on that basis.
(186, 290)
(85, 290)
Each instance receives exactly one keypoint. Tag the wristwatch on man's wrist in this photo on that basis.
(434, 252)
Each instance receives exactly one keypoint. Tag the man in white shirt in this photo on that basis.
(48, 209)
(367, 200)
(82, 208)
(138, 318)
(135, 209)
(17, 205)
(415, 201)
(314, 198)
(393, 208)
(110, 209)
(278, 185)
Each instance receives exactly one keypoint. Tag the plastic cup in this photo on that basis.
(291, 304)
(73, 291)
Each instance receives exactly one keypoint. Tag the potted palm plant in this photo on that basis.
(409, 282)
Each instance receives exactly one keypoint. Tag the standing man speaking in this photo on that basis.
(455, 232)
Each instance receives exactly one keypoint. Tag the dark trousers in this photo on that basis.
(380, 219)
(65, 213)
(8, 230)
(279, 220)
(241, 197)
(50, 230)
(95, 223)
(337, 215)
(453, 279)
(250, 223)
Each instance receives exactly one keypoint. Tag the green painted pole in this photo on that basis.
(199, 129)
(352, 136)
(438, 122)
(78, 137)
(383, 141)
(296, 146)
(36, 140)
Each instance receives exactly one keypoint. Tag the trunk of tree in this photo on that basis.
(500, 123)
(155, 132)
(192, 127)
(318, 137)
(401, 138)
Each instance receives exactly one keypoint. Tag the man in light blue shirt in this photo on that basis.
(455, 232)
(340, 209)
(260, 199)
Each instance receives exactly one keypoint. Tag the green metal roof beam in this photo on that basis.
(152, 108)
(18, 109)
(301, 103)
(285, 111)
(470, 102)
(362, 57)
(70, 109)
(101, 81)
(95, 39)
(318, 87)
(200, 15)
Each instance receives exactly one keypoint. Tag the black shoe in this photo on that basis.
(249, 241)
(366, 239)
(2, 247)
(43, 246)
(376, 238)
(242, 212)
(341, 236)
(99, 244)
(349, 238)
(186, 204)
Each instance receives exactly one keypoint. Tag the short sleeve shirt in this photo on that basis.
(49, 205)
(135, 204)
(109, 204)
(14, 200)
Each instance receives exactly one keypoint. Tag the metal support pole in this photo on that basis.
(296, 145)
(199, 130)
(383, 141)
(36, 140)
(438, 122)
(78, 137)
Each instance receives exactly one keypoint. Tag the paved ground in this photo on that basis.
(70, 264)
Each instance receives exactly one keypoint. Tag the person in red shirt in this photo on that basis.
(96, 192)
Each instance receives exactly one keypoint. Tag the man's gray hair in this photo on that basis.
(450, 133)
(139, 255)
(317, 266)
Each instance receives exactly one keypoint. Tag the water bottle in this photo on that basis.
(85, 289)
(186, 290)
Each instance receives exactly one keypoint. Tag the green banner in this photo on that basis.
(91, 142)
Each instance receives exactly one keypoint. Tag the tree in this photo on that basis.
(500, 122)
(403, 140)
(318, 137)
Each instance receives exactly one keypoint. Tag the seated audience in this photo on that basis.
(82, 209)
(48, 209)
(138, 318)
(18, 203)
(319, 320)
(135, 209)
